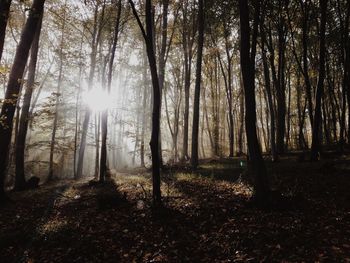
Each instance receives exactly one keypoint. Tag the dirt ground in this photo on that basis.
(206, 217)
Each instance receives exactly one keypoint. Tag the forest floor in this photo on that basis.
(206, 217)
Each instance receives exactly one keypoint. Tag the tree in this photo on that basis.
(187, 45)
(13, 86)
(104, 122)
(269, 92)
(58, 96)
(24, 118)
(95, 40)
(247, 53)
(316, 138)
(154, 143)
(195, 124)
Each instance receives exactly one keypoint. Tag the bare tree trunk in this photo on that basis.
(154, 143)
(228, 88)
(316, 140)
(288, 111)
(104, 127)
(301, 116)
(281, 87)
(96, 34)
(262, 120)
(144, 106)
(195, 124)
(269, 96)
(58, 95)
(20, 181)
(247, 51)
(207, 119)
(241, 123)
(77, 107)
(187, 47)
(308, 86)
(13, 86)
(162, 62)
(97, 143)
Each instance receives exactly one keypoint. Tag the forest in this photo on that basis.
(174, 131)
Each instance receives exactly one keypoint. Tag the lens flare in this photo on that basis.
(97, 100)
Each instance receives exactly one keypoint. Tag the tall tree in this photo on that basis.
(316, 129)
(154, 143)
(58, 95)
(268, 92)
(95, 40)
(24, 118)
(104, 121)
(145, 97)
(306, 13)
(195, 124)
(162, 59)
(187, 45)
(247, 58)
(280, 83)
(13, 86)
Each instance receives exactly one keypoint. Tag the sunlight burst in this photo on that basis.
(98, 100)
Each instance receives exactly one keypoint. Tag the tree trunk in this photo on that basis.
(58, 95)
(96, 34)
(144, 106)
(187, 44)
(13, 86)
(77, 107)
(346, 85)
(269, 96)
(195, 124)
(316, 140)
(280, 88)
(154, 143)
(247, 58)
(97, 146)
(104, 127)
(162, 62)
(308, 86)
(241, 122)
(20, 181)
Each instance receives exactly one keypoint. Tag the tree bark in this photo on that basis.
(247, 58)
(20, 181)
(269, 96)
(187, 44)
(154, 143)
(316, 129)
(13, 86)
(58, 95)
(104, 121)
(96, 34)
(144, 106)
(195, 124)
(308, 86)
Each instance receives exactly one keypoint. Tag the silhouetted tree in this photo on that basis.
(154, 143)
(316, 138)
(104, 121)
(248, 52)
(195, 124)
(24, 118)
(13, 86)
